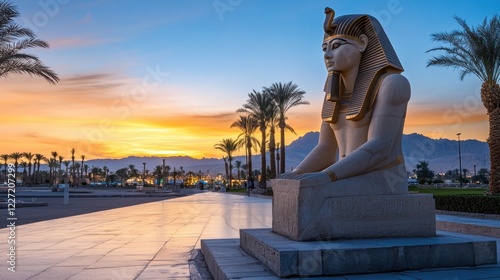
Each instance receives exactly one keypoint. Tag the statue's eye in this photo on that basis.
(336, 45)
(324, 49)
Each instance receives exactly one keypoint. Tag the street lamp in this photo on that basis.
(459, 160)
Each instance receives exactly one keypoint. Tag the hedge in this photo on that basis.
(468, 203)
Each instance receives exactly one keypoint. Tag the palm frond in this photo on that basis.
(32, 68)
(13, 40)
(470, 50)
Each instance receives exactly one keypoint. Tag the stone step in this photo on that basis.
(226, 260)
(288, 258)
(468, 225)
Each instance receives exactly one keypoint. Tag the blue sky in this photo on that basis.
(215, 53)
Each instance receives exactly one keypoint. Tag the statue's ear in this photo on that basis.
(363, 42)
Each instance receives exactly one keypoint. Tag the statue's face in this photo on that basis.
(341, 54)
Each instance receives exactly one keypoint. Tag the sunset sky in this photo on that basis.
(165, 77)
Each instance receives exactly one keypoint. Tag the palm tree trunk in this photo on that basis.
(29, 173)
(282, 148)
(249, 161)
(490, 95)
(494, 144)
(272, 152)
(230, 173)
(263, 158)
(37, 172)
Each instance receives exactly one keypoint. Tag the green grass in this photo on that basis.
(443, 191)
(239, 190)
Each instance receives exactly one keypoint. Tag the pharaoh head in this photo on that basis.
(355, 43)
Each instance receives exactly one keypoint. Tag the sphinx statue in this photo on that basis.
(354, 184)
(359, 149)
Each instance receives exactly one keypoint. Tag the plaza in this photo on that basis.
(155, 241)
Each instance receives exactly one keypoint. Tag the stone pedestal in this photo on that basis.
(306, 213)
(346, 233)
(288, 258)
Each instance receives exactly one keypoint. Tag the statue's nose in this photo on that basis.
(328, 54)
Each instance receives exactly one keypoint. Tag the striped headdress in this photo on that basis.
(378, 60)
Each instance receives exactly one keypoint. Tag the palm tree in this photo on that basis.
(272, 123)
(167, 172)
(86, 170)
(5, 157)
(285, 96)
(59, 175)
(122, 173)
(38, 159)
(16, 156)
(77, 171)
(258, 105)
(158, 172)
(82, 166)
(248, 125)
(424, 174)
(66, 166)
(477, 51)
(174, 174)
(181, 173)
(52, 163)
(29, 157)
(243, 173)
(105, 169)
(226, 167)
(54, 156)
(228, 146)
(237, 164)
(73, 166)
(133, 172)
(13, 40)
(24, 165)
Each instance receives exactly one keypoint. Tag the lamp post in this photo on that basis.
(278, 158)
(459, 160)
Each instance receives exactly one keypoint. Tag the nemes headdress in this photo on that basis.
(378, 60)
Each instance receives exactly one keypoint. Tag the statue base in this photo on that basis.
(288, 258)
(313, 213)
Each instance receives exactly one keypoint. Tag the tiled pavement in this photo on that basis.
(153, 241)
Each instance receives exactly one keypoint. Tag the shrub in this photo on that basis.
(468, 203)
(268, 191)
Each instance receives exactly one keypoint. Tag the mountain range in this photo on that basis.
(442, 155)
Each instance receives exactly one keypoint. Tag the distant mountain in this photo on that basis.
(442, 155)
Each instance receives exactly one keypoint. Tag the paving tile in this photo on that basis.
(58, 273)
(166, 271)
(118, 273)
